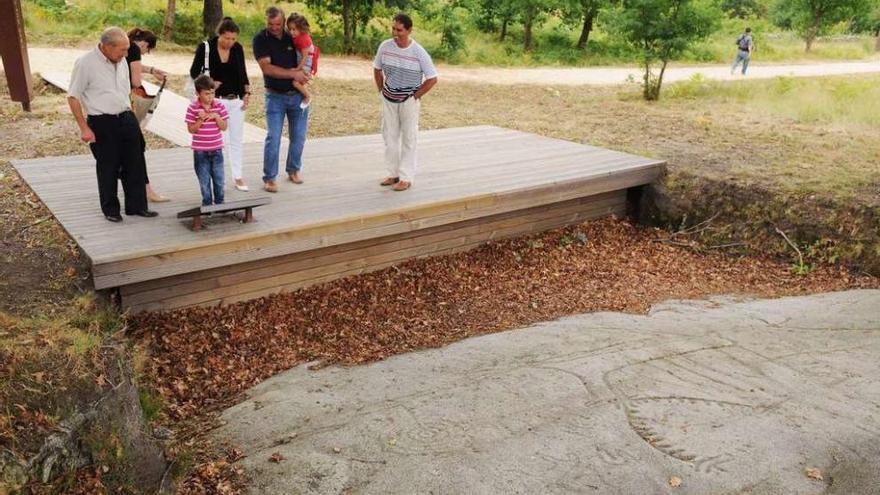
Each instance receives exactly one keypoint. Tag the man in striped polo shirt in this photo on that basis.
(404, 73)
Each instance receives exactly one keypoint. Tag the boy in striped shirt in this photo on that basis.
(206, 119)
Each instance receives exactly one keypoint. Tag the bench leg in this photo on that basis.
(197, 223)
(248, 215)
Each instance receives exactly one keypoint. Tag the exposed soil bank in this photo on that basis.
(99, 441)
(746, 218)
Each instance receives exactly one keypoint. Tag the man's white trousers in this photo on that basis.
(233, 135)
(400, 130)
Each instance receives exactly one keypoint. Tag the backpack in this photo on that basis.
(743, 42)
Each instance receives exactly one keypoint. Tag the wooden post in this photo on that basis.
(197, 223)
(248, 215)
(13, 49)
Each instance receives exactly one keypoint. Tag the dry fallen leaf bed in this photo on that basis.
(201, 359)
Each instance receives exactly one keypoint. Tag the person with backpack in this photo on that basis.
(744, 47)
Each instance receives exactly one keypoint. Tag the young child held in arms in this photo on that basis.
(308, 53)
(206, 119)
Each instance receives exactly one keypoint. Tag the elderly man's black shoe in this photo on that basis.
(113, 218)
(144, 213)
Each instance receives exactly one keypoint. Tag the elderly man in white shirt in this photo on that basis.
(100, 86)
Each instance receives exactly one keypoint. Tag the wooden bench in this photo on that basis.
(247, 205)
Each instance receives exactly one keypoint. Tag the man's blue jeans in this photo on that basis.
(741, 56)
(209, 170)
(278, 107)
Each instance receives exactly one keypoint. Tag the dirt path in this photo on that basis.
(61, 59)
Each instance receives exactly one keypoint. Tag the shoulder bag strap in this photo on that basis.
(206, 67)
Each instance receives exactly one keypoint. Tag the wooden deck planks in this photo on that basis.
(343, 231)
(466, 174)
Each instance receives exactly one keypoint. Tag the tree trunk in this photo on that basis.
(527, 28)
(813, 31)
(211, 16)
(659, 82)
(168, 25)
(646, 81)
(504, 28)
(347, 26)
(589, 16)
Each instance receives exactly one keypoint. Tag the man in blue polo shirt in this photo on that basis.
(273, 49)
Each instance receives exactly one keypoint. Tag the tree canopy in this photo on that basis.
(812, 18)
(661, 30)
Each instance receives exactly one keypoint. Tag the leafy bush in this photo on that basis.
(187, 28)
(56, 8)
(452, 40)
(662, 30)
(744, 8)
(364, 43)
(695, 87)
(814, 18)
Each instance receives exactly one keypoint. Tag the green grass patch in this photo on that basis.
(842, 101)
(49, 364)
(774, 45)
(79, 23)
(89, 316)
(151, 404)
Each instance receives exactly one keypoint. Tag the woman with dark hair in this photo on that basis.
(226, 66)
(143, 41)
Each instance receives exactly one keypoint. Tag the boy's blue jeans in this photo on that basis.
(209, 170)
(278, 108)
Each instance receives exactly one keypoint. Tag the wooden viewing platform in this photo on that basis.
(474, 184)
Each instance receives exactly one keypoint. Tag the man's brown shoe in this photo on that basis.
(295, 178)
(401, 186)
(270, 186)
(390, 181)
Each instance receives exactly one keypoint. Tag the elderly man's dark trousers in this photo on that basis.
(119, 155)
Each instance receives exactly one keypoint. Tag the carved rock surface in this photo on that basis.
(727, 396)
